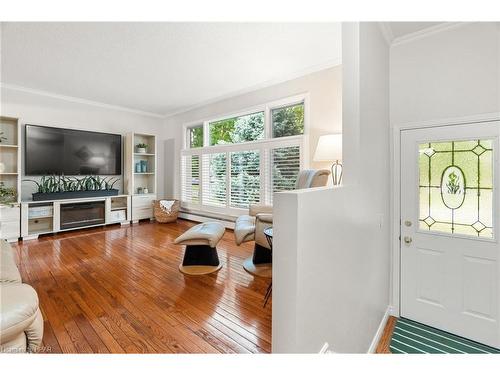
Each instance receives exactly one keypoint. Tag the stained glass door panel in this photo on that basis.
(456, 187)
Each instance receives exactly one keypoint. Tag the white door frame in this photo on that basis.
(395, 208)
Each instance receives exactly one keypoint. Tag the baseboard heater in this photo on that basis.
(203, 216)
(75, 215)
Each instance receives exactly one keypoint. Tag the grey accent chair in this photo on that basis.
(251, 227)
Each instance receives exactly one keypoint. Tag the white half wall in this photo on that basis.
(37, 109)
(325, 114)
(331, 254)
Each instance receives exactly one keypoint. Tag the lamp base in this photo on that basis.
(337, 173)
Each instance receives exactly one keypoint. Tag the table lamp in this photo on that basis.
(329, 148)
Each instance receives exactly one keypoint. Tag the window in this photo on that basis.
(237, 129)
(214, 167)
(233, 162)
(456, 187)
(195, 136)
(285, 162)
(191, 179)
(288, 121)
(245, 178)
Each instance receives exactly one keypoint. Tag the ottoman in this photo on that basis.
(200, 257)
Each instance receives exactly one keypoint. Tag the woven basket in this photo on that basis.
(163, 216)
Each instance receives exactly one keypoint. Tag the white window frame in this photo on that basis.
(262, 145)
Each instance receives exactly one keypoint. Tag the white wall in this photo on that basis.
(331, 247)
(325, 114)
(450, 74)
(43, 110)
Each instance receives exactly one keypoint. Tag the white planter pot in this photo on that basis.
(141, 150)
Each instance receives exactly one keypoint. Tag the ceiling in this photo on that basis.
(400, 29)
(162, 68)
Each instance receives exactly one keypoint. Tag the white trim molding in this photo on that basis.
(427, 32)
(73, 99)
(380, 330)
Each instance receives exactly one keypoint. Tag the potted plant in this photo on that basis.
(7, 194)
(141, 148)
(62, 187)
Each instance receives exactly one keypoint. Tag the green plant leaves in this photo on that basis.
(55, 184)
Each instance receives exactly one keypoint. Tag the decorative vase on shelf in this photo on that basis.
(145, 190)
(141, 148)
(144, 166)
(138, 167)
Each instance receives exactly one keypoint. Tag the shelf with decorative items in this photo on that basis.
(10, 184)
(141, 173)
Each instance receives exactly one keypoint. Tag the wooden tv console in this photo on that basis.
(42, 217)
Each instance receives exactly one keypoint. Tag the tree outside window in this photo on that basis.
(288, 121)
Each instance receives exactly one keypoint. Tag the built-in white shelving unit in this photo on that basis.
(141, 174)
(10, 173)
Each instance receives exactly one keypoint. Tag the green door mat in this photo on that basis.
(410, 337)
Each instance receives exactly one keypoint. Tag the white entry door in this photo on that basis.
(450, 229)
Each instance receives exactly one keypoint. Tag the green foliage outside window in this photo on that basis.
(288, 121)
(237, 129)
(196, 137)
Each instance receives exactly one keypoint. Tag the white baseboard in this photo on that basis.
(380, 330)
(202, 219)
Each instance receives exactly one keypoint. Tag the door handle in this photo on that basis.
(407, 240)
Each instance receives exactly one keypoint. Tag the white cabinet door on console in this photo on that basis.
(10, 222)
(142, 207)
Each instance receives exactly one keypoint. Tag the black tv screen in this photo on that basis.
(71, 152)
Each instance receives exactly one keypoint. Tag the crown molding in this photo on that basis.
(386, 32)
(303, 72)
(432, 30)
(73, 99)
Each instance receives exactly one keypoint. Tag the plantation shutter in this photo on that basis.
(191, 183)
(214, 179)
(245, 178)
(285, 167)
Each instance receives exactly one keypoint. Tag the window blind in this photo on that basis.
(214, 178)
(245, 178)
(285, 167)
(191, 181)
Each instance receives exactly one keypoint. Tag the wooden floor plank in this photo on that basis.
(118, 290)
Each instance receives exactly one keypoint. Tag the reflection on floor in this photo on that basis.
(119, 290)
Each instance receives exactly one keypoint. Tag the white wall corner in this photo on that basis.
(386, 31)
(380, 330)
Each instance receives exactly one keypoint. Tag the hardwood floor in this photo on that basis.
(119, 290)
(383, 346)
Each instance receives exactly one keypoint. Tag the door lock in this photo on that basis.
(407, 240)
(408, 223)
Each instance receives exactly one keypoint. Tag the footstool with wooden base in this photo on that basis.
(200, 257)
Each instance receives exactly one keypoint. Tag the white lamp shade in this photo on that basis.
(329, 148)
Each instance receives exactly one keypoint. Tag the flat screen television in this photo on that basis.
(71, 152)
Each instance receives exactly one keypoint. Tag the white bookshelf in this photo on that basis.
(140, 181)
(10, 175)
